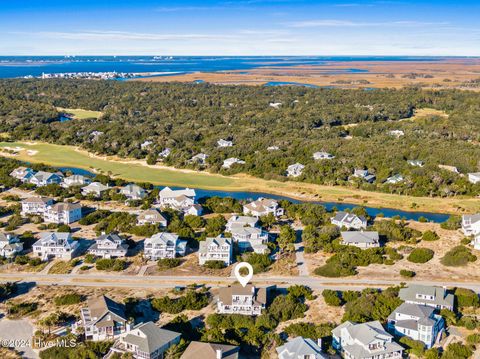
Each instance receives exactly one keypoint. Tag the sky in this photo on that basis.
(242, 27)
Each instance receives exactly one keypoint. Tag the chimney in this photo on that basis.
(319, 343)
(219, 353)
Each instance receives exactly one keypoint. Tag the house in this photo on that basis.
(76, 180)
(216, 249)
(364, 175)
(323, 156)
(300, 348)
(476, 242)
(144, 341)
(448, 168)
(10, 245)
(146, 145)
(63, 213)
(94, 189)
(360, 239)
(164, 245)
(151, 216)
(165, 153)
(263, 207)
(103, 319)
(295, 170)
(36, 205)
(250, 239)
(42, 178)
(224, 143)
(200, 158)
(394, 179)
(133, 192)
(229, 162)
(199, 350)
(416, 163)
(56, 245)
(436, 297)
(240, 221)
(474, 177)
(248, 300)
(396, 133)
(109, 246)
(366, 340)
(273, 148)
(349, 221)
(193, 210)
(275, 104)
(418, 322)
(23, 174)
(179, 197)
(471, 224)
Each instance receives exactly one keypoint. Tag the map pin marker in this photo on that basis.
(243, 279)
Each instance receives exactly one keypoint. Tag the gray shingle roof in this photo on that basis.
(148, 337)
(299, 347)
(360, 237)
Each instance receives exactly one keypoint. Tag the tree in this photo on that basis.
(286, 238)
(420, 255)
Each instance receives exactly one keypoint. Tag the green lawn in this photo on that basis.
(79, 114)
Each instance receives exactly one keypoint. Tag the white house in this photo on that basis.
(168, 197)
(42, 178)
(418, 322)
(364, 175)
(164, 245)
(151, 216)
(36, 205)
(133, 192)
(416, 163)
(200, 158)
(250, 239)
(248, 300)
(144, 341)
(10, 245)
(471, 224)
(56, 245)
(76, 180)
(224, 143)
(63, 213)
(395, 179)
(349, 220)
(263, 207)
(366, 340)
(396, 133)
(229, 162)
(240, 221)
(361, 239)
(301, 348)
(474, 177)
(23, 174)
(436, 297)
(109, 246)
(146, 145)
(193, 210)
(165, 153)
(215, 249)
(323, 156)
(94, 189)
(295, 170)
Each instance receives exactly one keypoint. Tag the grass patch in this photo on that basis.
(80, 114)
(62, 267)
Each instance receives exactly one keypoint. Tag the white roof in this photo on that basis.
(167, 192)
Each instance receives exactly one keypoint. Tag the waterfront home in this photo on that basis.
(146, 145)
(436, 297)
(197, 350)
(301, 348)
(364, 175)
(95, 135)
(295, 170)
(168, 197)
(109, 246)
(165, 153)
(164, 245)
(151, 216)
(42, 178)
(394, 179)
(10, 245)
(133, 192)
(76, 180)
(416, 163)
(471, 224)
(36, 205)
(144, 341)
(103, 319)
(418, 322)
(224, 143)
(215, 249)
(23, 174)
(248, 300)
(360, 239)
(95, 189)
(193, 210)
(229, 162)
(200, 158)
(349, 220)
(240, 222)
(250, 239)
(63, 213)
(56, 245)
(474, 177)
(365, 340)
(323, 156)
(263, 207)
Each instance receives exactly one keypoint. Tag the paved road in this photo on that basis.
(300, 259)
(19, 332)
(133, 281)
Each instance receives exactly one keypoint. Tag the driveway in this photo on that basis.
(19, 331)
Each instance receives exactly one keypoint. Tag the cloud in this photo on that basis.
(349, 23)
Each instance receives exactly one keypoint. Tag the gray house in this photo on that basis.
(349, 220)
(300, 348)
(109, 246)
(436, 297)
(360, 239)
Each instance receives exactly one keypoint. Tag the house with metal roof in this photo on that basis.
(42, 178)
(23, 174)
(300, 348)
(361, 239)
(436, 297)
(364, 175)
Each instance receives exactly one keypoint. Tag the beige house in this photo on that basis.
(247, 300)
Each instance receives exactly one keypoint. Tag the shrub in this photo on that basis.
(466, 298)
(430, 236)
(407, 273)
(259, 262)
(110, 264)
(452, 223)
(215, 264)
(90, 258)
(457, 351)
(458, 256)
(420, 255)
(332, 297)
(167, 263)
(192, 300)
(468, 322)
(68, 299)
(64, 228)
(415, 347)
(18, 310)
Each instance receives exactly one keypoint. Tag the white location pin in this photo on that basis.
(243, 279)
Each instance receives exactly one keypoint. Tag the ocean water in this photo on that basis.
(19, 66)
